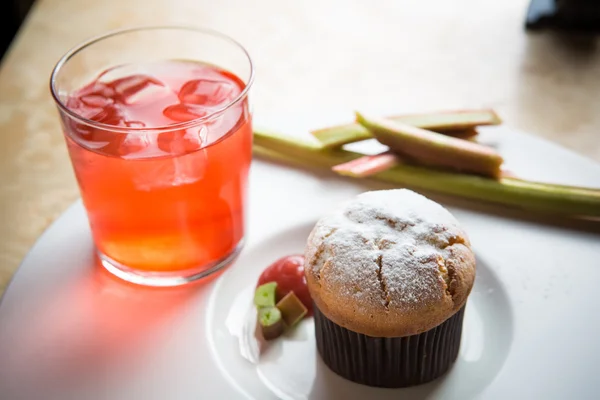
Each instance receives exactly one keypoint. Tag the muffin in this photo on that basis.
(389, 273)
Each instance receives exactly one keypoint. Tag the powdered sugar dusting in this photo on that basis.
(386, 247)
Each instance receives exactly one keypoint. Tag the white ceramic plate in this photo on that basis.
(70, 331)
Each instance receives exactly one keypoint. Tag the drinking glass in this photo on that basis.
(158, 128)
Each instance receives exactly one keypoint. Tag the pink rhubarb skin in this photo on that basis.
(367, 165)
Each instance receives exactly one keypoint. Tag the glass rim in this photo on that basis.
(176, 126)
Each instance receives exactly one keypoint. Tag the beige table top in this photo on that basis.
(310, 55)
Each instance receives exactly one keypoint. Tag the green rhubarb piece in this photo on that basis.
(516, 193)
(451, 120)
(264, 296)
(434, 149)
(459, 124)
(292, 309)
(270, 322)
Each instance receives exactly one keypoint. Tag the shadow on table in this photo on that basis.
(328, 385)
(578, 224)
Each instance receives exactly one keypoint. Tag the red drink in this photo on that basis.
(168, 199)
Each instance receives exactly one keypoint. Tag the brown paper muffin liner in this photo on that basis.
(389, 362)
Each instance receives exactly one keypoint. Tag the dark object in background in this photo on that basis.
(12, 14)
(572, 15)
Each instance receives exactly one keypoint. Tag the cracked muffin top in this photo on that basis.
(389, 263)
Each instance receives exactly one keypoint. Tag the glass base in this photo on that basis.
(165, 279)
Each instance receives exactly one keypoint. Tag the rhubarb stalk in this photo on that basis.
(459, 124)
(433, 149)
(524, 195)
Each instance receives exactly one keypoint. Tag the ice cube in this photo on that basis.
(133, 144)
(169, 171)
(94, 100)
(82, 109)
(189, 169)
(181, 141)
(184, 112)
(88, 136)
(135, 88)
(102, 89)
(207, 92)
(111, 115)
(222, 124)
(106, 114)
(97, 88)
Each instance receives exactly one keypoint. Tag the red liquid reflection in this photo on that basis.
(98, 323)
